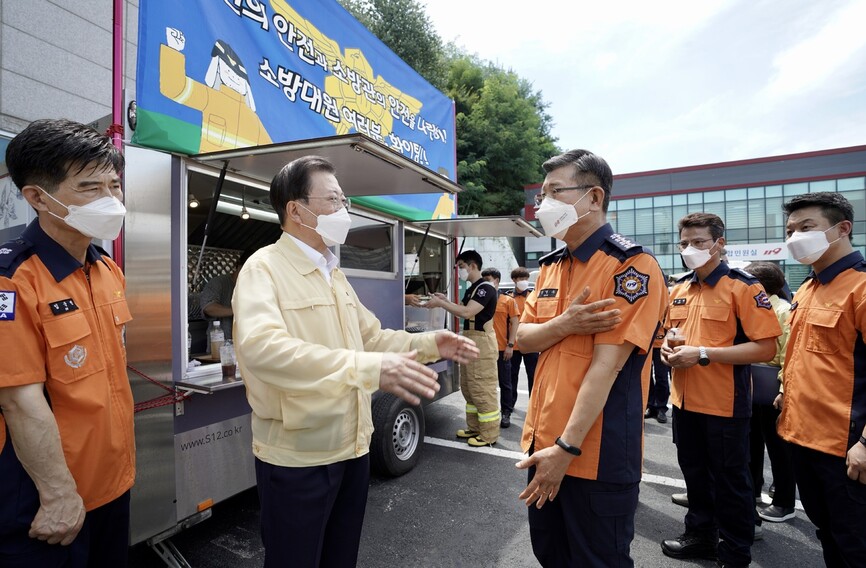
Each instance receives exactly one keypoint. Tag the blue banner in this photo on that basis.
(222, 74)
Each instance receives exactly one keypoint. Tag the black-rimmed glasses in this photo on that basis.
(554, 191)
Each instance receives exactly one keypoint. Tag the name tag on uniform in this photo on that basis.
(548, 293)
(63, 306)
(7, 305)
(679, 301)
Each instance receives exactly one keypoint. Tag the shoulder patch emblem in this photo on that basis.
(481, 291)
(5, 250)
(631, 285)
(763, 301)
(76, 357)
(7, 305)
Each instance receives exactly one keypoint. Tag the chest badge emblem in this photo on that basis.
(76, 357)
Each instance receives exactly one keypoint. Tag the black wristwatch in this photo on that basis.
(703, 360)
(510, 344)
(567, 447)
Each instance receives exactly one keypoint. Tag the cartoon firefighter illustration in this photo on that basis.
(225, 99)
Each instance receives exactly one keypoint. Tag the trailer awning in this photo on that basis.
(364, 166)
(499, 226)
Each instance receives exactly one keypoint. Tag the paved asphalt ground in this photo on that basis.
(459, 508)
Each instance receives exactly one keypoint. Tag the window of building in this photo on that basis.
(823, 185)
(714, 196)
(773, 191)
(792, 189)
(851, 184)
(736, 214)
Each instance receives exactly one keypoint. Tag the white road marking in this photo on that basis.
(517, 456)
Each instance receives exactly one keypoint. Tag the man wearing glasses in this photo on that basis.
(584, 424)
(311, 356)
(728, 323)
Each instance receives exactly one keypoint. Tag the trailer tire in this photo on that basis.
(398, 436)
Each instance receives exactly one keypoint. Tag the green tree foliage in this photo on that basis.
(503, 129)
(404, 27)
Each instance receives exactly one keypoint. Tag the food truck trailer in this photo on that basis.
(192, 425)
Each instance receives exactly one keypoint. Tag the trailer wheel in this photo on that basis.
(399, 433)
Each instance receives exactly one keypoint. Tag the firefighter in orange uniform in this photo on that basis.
(584, 424)
(520, 277)
(728, 323)
(505, 322)
(824, 378)
(67, 449)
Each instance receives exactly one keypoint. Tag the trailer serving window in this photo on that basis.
(369, 248)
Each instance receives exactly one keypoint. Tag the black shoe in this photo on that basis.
(650, 413)
(690, 546)
(662, 417)
(506, 421)
(681, 499)
(776, 514)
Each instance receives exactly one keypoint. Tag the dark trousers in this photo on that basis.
(506, 398)
(590, 524)
(660, 386)
(835, 504)
(102, 542)
(713, 453)
(312, 516)
(530, 360)
(763, 432)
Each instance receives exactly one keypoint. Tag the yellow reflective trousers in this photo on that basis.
(478, 383)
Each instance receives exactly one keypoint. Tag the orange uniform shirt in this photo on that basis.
(613, 267)
(825, 360)
(728, 308)
(520, 300)
(66, 329)
(506, 308)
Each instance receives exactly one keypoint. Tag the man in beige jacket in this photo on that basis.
(311, 356)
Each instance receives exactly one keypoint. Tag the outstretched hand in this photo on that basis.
(456, 347)
(406, 378)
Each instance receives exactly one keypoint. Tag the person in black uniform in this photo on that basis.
(478, 379)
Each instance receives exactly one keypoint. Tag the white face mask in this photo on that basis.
(807, 247)
(100, 219)
(695, 258)
(521, 285)
(463, 274)
(332, 228)
(556, 217)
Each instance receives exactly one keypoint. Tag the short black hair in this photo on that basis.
(834, 206)
(588, 168)
(491, 272)
(50, 150)
(769, 275)
(519, 272)
(709, 220)
(293, 182)
(470, 256)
